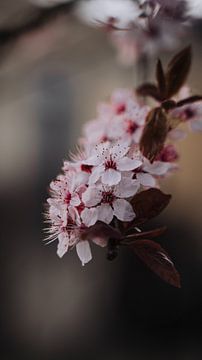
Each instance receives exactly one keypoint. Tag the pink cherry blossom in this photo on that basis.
(109, 161)
(110, 201)
(190, 114)
(129, 126)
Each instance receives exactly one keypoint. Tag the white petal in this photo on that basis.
(127, 164)
(63, 243)
(92, 196)
(111, 177)
(177, 134)
(75, 200)
(96, 173)
(196, 125)
(137, 135)
(158, 168)
(146, 179)
(126, 188)
(84, 252)
(100, 241)
(105, 213)
(123, 210)
(73, 212)
(89, 216)
(119, 150)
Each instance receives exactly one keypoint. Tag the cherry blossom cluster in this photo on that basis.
(109, 169)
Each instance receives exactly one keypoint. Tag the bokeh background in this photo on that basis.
(50, 82)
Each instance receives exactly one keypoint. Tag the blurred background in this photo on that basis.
(50, 82)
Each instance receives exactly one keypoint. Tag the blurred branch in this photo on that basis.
(40, 19)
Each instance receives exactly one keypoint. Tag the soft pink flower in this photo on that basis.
(129, 126)
(191, 113)
(110, 201)
(109, 162)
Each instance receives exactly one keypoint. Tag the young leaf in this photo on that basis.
(149, 204)
(161, 80)
(156, 258)
(177, 72)
(189, 100)
(154, 134)
(148, 89)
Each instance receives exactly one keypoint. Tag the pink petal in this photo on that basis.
(196, 125)
(75, 200)
(127, 164)
(158, 168)
(89, 216)
(120, 149)
(111, 177)
(96, 173)
(137, 135)
(84, 252)
(63, 243)
(177, 134)
(146, 179)
(92, 196)
(100, 241)
(126, 188)
(105, 213)
(123, 210)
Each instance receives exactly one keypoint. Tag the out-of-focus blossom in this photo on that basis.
(123, 116)
(194, 8)
(114, 13)
(159, 29)
(190, 114)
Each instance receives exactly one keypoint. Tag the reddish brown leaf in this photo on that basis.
(154, 134)
(189, 100)
(161, 80)
(148, 89)
(149, 204)
(156, 258)
(144, 234)
(177, 72)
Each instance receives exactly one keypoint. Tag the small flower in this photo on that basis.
(109, 162)
(110, 201)
(130, 125)
(193, 115)
(168, 154)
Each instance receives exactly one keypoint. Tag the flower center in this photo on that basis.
(110, 164)
(68, 198)
(121, 108)
(131, 127)
(80, 208)
(107, 197)
(86, 168)
(104, 138)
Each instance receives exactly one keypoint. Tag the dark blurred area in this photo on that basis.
(50, 82)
